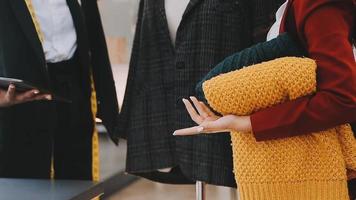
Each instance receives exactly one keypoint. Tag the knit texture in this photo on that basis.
(161, 74)
(308, 167)
(282, 46)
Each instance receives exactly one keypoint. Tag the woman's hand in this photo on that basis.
(208, 122)
(11, 97)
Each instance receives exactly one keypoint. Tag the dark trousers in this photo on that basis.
(72, 144)
(32, 134)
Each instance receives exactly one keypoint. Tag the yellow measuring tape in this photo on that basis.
(95, 139)
(34, 19)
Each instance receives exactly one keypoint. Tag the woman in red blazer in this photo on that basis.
(324, 28)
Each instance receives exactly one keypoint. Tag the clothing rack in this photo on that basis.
(200, 190)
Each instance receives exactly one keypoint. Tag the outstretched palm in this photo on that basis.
(209, 122)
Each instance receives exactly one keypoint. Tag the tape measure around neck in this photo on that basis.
(95, 139)
(35, 20)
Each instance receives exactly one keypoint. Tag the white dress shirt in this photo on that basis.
(174, 12)
(274, 31)
(56, 24)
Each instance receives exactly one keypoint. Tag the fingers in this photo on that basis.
(32, 95)
(26, 96)
(209, 127)
(188, 131)
(42, 97)
(214, 127)
(12, 97)
(207, 109)
(49, 97)
(10, 94)
(199, 107)
(193, 114)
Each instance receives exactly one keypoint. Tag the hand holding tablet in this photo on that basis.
(11, 97)
(15, 91)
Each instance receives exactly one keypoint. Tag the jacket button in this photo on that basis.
(180, 65)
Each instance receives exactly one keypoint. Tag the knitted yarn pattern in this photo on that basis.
(308, 167)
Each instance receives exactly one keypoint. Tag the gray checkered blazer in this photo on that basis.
(161, 75)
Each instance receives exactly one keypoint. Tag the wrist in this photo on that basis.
(242, 124)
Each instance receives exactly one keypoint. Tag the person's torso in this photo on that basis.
(57, 26)
(23, 53)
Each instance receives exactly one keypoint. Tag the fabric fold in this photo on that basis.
(312, 166)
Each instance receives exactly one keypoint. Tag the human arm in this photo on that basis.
(334, 103)
(283, 45)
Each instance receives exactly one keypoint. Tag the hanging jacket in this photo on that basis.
(161, 74)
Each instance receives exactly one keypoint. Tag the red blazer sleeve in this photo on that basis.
(326, 33)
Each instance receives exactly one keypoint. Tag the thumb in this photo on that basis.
(211, 125)
(10, 94)
(214, 127)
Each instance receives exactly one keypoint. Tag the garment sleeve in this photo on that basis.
(108, 107)
(334, 103)
(283, 45)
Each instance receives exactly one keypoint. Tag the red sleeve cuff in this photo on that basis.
(264, 130)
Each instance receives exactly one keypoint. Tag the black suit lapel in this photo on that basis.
(163, 17)
(192, 4)
(162, 13)
(24, 18)
(83, 49)
(78, 19)
(82, 36)
(190, 7)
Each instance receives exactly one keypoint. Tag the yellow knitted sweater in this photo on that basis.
(308, 167)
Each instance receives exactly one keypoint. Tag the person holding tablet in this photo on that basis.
(67, 56)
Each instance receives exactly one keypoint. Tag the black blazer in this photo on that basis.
(161, 75)
(21, 56)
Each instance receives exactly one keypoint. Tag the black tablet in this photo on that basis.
(22, 86)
